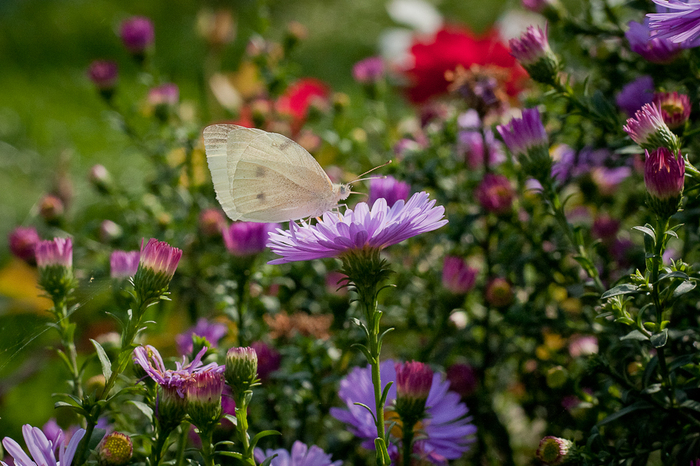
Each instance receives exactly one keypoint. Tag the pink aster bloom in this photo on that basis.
(167, 94)
(137, 34)
(457, 276)
(495, 194)
(368, 71)
(680, 25)
(447, 431)
(674, 107)
(42, 450)
(103, 73)
(664, 174)
(301, 455)
(363, 228)
(159, 257)
(55, 252)
(531, 47)
(647, 128)
(523, 134)
(22, 242)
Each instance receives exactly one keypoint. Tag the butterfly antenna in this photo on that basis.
(370, 171)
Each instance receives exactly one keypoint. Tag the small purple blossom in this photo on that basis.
(605, 228)
(447, 430)
(212, 331)
(103, 74)
(457, 276)
(388, 188)
(495, 194)
(55, 252)
(536, 5)
(137, 34)
(247, 238)
(523, 134)
(269, 359)
(23, 242)
(363, 228)
(150, 360)
(608, 179)
(681, 26)
(123, 264)
(652, 48)
(42, 450)
(635, 94)
(368, 71)
(301, 455)
(167, 94)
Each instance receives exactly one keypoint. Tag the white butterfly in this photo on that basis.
(266, 177)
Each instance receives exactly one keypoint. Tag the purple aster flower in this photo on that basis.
(675, 108)
(269, 359)
(150, 360)
(42, 450)
(55, 252)
(522, 134)
(247, 238)
(533, 52)
(363, 228)
(137, 34)
(495, 194)
(124, 264)
(605, 228)
(635, 94)
(212, 331)
(647, 128)
(652, 48)
(388, 188)
(103, 74)
(446, 429)
(114, 449)
(457, 276)
(159, 257)
(22, 242)
(368, 71)
(664, 174)
(608, 179)
(680, 25)
(301, 455)
(203, 393)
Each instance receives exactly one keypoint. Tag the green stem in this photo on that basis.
(242, 426)
(373, 316)
(157, 452)
(207, 447)
(662, 225)
(68, 342)
(182, 443)
(407, 441)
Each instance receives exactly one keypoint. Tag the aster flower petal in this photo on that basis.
(378, 227)
(65, 455)
(679, 26)
(301, 455)
(17, 452)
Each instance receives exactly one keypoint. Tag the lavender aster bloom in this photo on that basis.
(363, 228)
(247, 238)
(212, 331)
(446, 429)
(301, 455)
(681, 25)
(42, 449)
(635, 94)
(124, 264)
(652, 48)
(388, 188)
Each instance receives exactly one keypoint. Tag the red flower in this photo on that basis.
(453, 46)
(298, 97)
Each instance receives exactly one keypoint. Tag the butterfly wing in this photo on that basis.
(265, 177)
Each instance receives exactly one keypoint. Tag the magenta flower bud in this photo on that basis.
(605, 228)
(527, 140)
(495, 194)
(388, 188)
(124, 264)
(137, 34)
(413, 382)
(51, 208)
(114, 449)
(457, 276)
(55, 261)
(368, 71)
(203, 394)
(554, 450)
(247, 238)
(533, 52)
(675, 108)
(664, 174)
(157, 266)
(269, 359)
(211, 222)
(536, 5)
(462, 378)
(103, 74)
(499, 292)
(647, 128)
(100, 178)
(23, 242)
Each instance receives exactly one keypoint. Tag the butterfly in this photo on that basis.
(266, 177)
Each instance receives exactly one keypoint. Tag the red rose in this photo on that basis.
(453, 46)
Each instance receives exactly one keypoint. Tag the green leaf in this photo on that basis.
(385, 392)
(260, 435)
(232, 419)
(691, 404)
(364, 351)
(647, 231)
(382, 453)
(676, 274)
(659, 339)
(639, 405)
(268, 460)
(237, 455)
(368, 409)
(620, 290)
(683, 288)
(97, 435)
(635, 335)
(143, 407)
(104, 359)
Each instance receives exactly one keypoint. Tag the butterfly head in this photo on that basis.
(342, 191)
